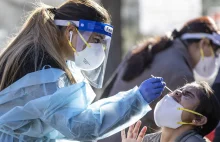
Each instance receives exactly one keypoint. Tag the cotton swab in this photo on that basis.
(165, 86)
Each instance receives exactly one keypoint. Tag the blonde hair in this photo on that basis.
(39, 33)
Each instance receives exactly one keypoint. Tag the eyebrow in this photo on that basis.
(190, 93)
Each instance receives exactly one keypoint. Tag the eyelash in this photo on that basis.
(97, 39)
(186, 94)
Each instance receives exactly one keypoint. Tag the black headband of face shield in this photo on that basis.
(52, 10)
(188, 41)
(175, 34)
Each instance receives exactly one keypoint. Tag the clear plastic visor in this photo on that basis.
(91, 46)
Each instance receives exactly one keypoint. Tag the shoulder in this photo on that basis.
(154, 137)
(63, 81)
(194, 138)
(190, 136)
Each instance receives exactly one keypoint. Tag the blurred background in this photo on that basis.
(133, 20)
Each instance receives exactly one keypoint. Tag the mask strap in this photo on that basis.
(186, 123)
(212, 52)
(201, 53)
(188, 110)
(83, 39)
(74, 49)
(70, 44)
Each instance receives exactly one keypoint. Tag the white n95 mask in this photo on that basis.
(206, 69)
(168, 113)
(91, 57)
(91, 46)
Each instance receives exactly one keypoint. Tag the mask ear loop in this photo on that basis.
(83, 39)
(201, 53)
(72, 46)
(187, 110)
(70, 40)
(185, 123)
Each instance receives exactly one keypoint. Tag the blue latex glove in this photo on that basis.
(152, 88)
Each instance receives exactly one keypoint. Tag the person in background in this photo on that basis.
(187, 55)
(45, 77)
(185, 115)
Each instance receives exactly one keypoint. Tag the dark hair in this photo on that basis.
(143, 55)
(81, 9)
(209, 106)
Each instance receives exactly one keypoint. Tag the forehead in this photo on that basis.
(193, 89)
(190, 97)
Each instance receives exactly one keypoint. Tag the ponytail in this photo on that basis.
(142, 57)
(39, 36)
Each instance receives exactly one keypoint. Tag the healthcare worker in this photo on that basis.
(44, 98)
(186, 55)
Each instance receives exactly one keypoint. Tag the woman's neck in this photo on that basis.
(170, 135)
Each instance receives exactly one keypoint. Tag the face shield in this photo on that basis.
(207, 67)
(215, 37)
(91, 48)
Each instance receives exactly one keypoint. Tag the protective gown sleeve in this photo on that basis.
(69, 113)
(78, 120)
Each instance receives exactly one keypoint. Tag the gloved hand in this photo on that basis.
(152, 88)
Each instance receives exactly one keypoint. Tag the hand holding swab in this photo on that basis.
(165, 86)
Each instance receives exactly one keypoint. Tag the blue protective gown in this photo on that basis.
(44, 107)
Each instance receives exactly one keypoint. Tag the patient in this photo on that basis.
(185, 115)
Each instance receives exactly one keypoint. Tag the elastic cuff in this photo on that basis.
(141, 98)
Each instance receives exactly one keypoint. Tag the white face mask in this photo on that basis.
(91, 57)
(168, 112)
(206, 70)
